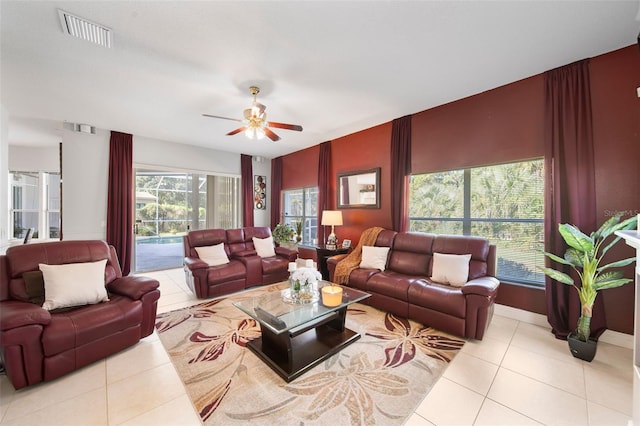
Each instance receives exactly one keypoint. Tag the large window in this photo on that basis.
(302, 205)
(35, 204)
(504, 203)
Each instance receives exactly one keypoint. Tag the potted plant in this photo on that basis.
(283, 233)
(298, 225)
(584, 255)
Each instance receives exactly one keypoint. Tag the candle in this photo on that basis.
(292, 266)
(331, 295)
(309, 263)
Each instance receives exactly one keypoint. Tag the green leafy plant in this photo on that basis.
(283, 233)
(584, 255)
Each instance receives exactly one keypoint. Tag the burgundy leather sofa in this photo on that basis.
(405, 289)
(38, 345)
(245, 268)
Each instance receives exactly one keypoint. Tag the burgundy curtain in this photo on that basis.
(400, 171)
(324, 185)
(246, 177)
(276, 188)
(570, 184)
(120, 198)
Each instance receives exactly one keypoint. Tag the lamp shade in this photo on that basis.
(331, 217)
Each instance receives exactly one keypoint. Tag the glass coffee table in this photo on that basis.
(297, 337)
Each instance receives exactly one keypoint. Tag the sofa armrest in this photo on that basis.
(483, 286)
(332, 262)
(194, 263)
(14, 314)
(134, 287)
(287, 253)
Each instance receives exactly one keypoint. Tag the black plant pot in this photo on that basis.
(585, 351)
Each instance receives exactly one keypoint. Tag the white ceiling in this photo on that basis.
(333, 67)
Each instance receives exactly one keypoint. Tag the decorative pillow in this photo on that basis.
(34, 286)
(213, 255)
(73, 284)
(452, 269)
(264, 246)
(374, 257)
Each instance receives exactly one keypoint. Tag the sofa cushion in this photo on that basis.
(231, 271)
(73, 284)
(264, 246)
(214, 255)
(77, 327)
(34, 286)
(411, 253)
(451, 268)
(391, 283)
(274, 265)
(441, 298)
(374, 257)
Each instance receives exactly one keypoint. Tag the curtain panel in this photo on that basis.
(400, 172)
(246, 176)
(570, 185)
(324, 185)
(276, 189)
(120, 198)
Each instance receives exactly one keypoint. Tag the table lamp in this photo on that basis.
(331, 217)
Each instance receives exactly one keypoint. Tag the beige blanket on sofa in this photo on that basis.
(353, 259)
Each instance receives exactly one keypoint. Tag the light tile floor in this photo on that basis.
(517, 375)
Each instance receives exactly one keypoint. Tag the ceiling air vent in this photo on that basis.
(84, 29)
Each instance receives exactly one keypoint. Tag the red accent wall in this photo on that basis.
(502, 125)
(360, 151)
(493, 127)
(300, 169)
(616, 127)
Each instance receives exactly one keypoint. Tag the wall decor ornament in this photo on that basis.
(260, 192)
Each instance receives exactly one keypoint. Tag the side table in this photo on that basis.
(322, 254)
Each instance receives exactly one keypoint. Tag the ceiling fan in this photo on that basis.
(255, 124)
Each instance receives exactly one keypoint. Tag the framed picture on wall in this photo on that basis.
(260, 192)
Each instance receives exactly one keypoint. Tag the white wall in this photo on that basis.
(4, 177)
(163, 154)
(34, 159)
(85, 171)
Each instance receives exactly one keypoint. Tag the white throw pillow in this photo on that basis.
(374, 257)
(451, 269)
(73, 284)
(213, 255)
(264, 246)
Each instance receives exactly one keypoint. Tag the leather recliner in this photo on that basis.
(245, 268)
(38, 345)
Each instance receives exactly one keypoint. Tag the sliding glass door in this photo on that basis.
(170, 204)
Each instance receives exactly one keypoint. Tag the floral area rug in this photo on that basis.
(379, 379)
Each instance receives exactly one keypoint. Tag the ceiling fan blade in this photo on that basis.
(271, 135)
(224, 118)
(285, 126)
(236, 131)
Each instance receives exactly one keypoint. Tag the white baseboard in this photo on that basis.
(609, 336)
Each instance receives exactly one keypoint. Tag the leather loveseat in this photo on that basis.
(244, 269)
(39, 345)
(405, 288)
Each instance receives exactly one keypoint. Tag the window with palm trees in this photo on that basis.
(504, 203)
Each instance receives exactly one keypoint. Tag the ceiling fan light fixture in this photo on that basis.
(254, 133)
